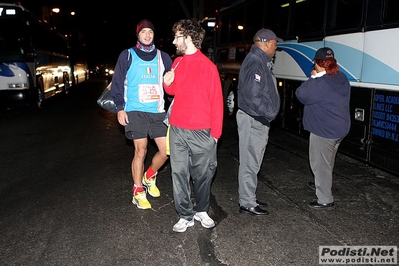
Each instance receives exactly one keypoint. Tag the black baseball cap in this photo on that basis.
(324, 53)
(266, 35)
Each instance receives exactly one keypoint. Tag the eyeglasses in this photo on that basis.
(178, 36)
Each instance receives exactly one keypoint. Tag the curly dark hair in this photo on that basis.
(192, 28)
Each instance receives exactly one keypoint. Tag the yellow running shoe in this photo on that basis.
(141, 201)
(152, 188)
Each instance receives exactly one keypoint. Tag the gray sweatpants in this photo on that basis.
(192, 154)
(253, 137)
(322, 153)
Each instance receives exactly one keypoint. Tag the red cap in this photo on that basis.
(144, 24)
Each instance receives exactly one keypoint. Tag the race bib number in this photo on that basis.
(149, 92)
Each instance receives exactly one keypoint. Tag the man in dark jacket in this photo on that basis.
(326, 116)
(258, 105)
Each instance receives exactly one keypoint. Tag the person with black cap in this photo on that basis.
(137, 90)
(258, 105)
(325, 96)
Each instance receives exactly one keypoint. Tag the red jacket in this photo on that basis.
(197, 91)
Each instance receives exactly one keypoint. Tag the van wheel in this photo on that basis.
(65, 80)
(39, 97)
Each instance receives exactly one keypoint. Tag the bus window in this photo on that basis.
(387, 18)
(12, 41)
(390, 13)
(276, 17)
(309, 18)
(350, 10)
(254, 19)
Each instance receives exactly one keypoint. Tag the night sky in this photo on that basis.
(105, 29)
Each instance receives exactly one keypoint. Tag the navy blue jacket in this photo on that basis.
(257, 93)
(326, 105)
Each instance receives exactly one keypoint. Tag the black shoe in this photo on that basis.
(261, 204)
(318, 206)
(253, 211)
(311, 185)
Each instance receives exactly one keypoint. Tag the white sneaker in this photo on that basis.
(205, 220)
(182, 225)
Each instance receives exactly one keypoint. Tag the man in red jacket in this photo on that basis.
(196, 124)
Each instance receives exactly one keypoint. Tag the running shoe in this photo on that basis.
(152, 188)
(141, 200)
(182, 224)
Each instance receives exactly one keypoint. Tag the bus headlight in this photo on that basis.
(17, 85)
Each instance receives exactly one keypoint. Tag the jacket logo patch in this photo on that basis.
(257, 77)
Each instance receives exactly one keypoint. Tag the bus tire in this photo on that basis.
(37, 94)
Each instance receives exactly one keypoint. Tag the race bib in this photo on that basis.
(149, 93)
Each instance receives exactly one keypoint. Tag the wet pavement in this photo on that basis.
(66, 200)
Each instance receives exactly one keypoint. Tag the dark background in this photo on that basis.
(102, 30)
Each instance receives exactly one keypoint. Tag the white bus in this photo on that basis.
(34, 59)
(364, 35)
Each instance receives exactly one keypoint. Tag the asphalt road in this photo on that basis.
(65, 191)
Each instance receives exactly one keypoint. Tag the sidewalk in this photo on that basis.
(66, 199)
(366, 212)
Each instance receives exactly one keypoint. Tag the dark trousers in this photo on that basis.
(192, 154)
